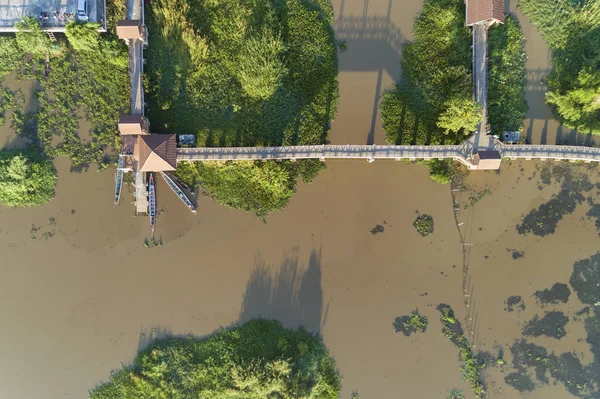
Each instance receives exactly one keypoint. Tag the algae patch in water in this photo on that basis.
(551, 325)
(513, 303)
(558, 293)
(585, 279)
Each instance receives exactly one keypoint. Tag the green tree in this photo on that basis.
(26, 178)
(261, 70)
(31, 38)
(258, 360)
(580, 106)
(83, 36)
(460, 114)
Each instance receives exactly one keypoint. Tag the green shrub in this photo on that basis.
(258, 360)
(440, 170)
(506, 76)
(424, 224)
(26, 178)
(461, 114)
(11, 55)
(416, 322)
(31, 38)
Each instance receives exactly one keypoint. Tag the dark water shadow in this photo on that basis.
(374, 44)
(290, 293)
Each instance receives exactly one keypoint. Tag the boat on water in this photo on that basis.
(119, 181)
(171, 183)
(152, 202)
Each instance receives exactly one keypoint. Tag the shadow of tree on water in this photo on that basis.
(291, 293)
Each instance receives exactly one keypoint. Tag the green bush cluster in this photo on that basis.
(416, 322)
(258, 360)
(507, 77)
(470, 367)
(243, 73)
(432, 103)
(424, 224)
(26, 178)
(572, 30)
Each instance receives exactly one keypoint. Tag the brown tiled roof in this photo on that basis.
(130, 124)
(484, 10)
(129, 29)
(158, 152)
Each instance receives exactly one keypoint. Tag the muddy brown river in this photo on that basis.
(79, 293)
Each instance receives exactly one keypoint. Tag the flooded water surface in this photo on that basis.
(80, 294)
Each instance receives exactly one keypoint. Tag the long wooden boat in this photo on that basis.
(152, 202)
(119, 181)
(178, 191)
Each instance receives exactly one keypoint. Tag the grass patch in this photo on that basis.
(239, 73)
(260, 359)
(433, 100)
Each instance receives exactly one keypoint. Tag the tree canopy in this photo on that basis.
(30, 36)
(572, 30)
(434, 96)
(26, 178)
(243, 73)
(83, 36)
(258, 360)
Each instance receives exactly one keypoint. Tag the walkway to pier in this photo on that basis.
(368, 152)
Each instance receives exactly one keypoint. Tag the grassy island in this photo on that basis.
(260, 359)
(243, 73)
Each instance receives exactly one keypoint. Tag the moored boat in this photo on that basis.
(119, 182)
(152, 202)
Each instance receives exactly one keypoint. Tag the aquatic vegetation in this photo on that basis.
(558, 293)
(455, 394)
(440, 170)
(259, 359)
(585, 278)
(436, 72)
(410, 324)
(424, 224)
(7, 102)
(237, 73)
(506, 76)
(470, 365)
(543, 220)
(27, 178)
(551, 325)
(572, 30)
(514, 303)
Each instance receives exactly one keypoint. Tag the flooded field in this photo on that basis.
(79, 293)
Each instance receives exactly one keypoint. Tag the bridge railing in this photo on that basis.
(571, 153)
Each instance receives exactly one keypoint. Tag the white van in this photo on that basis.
(82, 10)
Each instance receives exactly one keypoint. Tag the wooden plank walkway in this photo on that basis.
(557, 152)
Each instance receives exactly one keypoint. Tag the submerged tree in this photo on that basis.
(461, 114)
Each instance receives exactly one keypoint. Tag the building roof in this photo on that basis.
(157, 152)
(132, 124)
(484, 10)
(487, 160)
(129, 29)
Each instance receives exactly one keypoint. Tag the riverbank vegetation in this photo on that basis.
(87, 80)
(572, 30)
(27, 178)
(432, 103)
(506, 77)
(260, 359)
(237, 73)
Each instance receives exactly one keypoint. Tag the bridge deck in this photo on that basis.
(319, 151)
